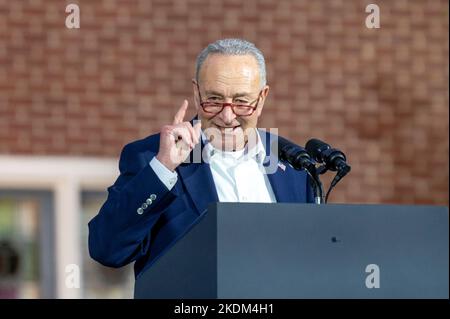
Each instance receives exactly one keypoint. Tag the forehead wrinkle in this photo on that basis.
(233, 71)
(238, 79)
(229, 85)
(233, 81)
(230, 73)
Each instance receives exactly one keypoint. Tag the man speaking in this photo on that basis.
(163, 188)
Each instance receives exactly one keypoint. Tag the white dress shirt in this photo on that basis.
(238, 176)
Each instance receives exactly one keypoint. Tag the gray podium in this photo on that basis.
(247, 250)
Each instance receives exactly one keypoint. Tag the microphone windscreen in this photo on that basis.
(314, 146)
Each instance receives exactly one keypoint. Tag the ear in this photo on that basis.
(264, 93)
(196, 94)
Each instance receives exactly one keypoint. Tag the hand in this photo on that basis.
(177, 140)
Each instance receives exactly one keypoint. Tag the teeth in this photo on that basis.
(227, 128)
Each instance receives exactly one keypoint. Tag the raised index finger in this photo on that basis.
(179, 117)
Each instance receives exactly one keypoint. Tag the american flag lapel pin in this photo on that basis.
(282, 166)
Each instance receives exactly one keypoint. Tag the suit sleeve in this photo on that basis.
(120, 233)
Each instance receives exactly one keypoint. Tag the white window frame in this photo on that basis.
(66, 177)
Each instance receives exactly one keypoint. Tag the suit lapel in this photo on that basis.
(283, 180)
(282, 186)
(197, 179)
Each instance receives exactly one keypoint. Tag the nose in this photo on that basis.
(227, 115)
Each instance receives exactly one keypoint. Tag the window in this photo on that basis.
(26, 245)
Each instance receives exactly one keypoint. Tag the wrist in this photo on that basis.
(165, 163)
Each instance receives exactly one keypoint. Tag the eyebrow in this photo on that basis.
(239, 94)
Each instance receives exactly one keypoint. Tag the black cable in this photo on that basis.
(335, 180)
(318, 188)
(328, 193)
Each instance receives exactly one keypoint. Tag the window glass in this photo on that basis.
(20, 251)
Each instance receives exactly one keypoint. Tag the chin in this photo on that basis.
(226, 140)
(228, 143)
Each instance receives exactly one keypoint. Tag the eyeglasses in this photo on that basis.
(239, 109)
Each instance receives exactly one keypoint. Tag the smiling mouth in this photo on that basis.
(227, 129)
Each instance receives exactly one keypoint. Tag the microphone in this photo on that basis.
(294, 154)
(333, 159)
(300, 159)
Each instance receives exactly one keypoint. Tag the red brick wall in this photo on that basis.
(381, 95)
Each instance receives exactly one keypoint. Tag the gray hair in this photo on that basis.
(233, 47)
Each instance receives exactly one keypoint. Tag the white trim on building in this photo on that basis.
(66, 177)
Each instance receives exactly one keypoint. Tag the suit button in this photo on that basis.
(140, 211)
(144, 206)
(152, 196)
(148, 201)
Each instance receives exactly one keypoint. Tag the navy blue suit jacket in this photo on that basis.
(119, 235)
